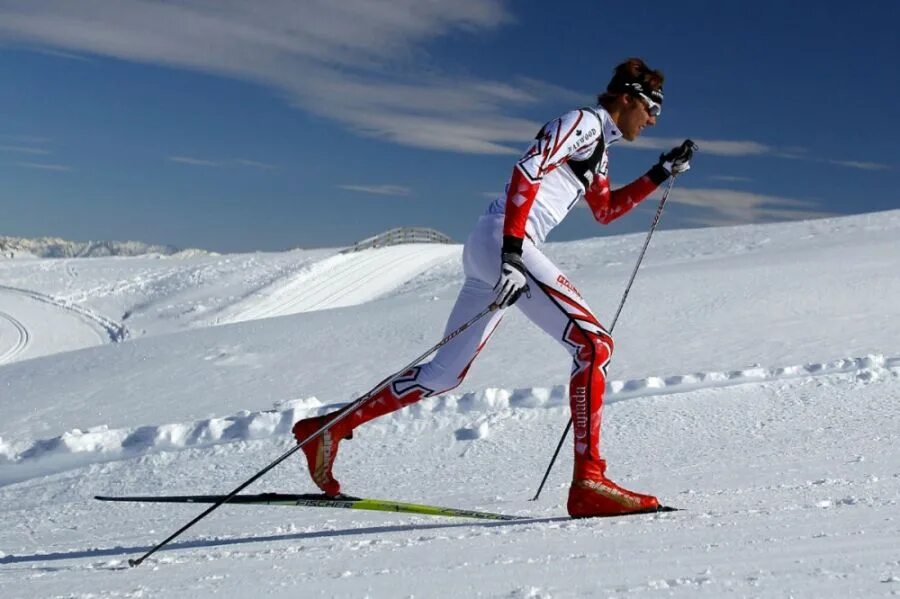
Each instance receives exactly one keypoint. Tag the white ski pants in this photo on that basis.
(553, 304)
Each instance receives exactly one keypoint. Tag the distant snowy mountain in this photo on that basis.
(54, 247)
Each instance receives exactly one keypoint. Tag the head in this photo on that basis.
(633, 97)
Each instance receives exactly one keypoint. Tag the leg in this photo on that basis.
(557, 307)
(450, 364)
(445, 371)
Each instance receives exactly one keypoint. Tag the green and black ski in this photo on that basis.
(340, 502)
(313, 500)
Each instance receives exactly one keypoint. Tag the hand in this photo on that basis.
(678, 160)
(512, 280)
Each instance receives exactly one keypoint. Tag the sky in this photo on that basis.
(238, 126)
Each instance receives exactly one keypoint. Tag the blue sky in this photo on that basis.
(238, 126)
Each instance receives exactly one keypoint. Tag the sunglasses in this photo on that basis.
(654, 108)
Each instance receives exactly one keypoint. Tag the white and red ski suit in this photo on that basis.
(566, 162)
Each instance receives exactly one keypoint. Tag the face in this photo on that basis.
(634, 117)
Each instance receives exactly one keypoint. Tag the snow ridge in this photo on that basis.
(77, 448)
(54, 247)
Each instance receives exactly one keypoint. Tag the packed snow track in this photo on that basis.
(341, 280)
(33, 325)
(13, 337)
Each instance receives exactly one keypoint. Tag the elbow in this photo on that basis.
(603, 217)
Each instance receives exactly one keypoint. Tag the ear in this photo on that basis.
(625, 101)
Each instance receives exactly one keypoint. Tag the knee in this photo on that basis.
(601, 350)
(597, 342)
(438, 380)
(605, 344)
(594, 348)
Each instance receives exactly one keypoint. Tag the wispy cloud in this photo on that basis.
(363, 64)
(24, 150)
(194, 161)
(707, 146)
(241, 162)
(382, 190)
(543, 89)
(740, 148)
(64, 55)
(356, 62)
(866, 166)
(27, 145)
(796, 153)
(24, 139)
(46, 167)
(730, 207)
(730, 178)
(263, 166)
(460, 116)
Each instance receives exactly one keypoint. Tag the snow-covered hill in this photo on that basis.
(49, 306)
(755, 384)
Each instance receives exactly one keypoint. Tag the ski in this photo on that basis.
(314, 500)
(341, 502)
(657, 510)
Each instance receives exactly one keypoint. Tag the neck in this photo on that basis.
(615, 109)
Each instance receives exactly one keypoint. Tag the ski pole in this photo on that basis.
(340, 416)
(655, 222)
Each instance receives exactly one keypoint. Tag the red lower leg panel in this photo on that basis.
(586, 387)
(403, 391)
(591, 493)
(321, 451)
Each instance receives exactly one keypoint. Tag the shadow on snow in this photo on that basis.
(303, 536)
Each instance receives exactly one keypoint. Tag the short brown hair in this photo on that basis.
(630, 71)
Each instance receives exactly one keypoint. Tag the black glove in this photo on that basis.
(512, 280)
(678, 160)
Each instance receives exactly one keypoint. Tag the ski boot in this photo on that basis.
(321, 451)
(593, 495)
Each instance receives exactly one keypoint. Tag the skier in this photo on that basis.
(502, 259)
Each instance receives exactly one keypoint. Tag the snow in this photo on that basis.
(755, 385)
(53, 247)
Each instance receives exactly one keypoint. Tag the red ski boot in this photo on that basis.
(592, 494)
(321, 451)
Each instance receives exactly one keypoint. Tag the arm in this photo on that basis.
(607, 206)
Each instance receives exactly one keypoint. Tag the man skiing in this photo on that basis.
(503, 264)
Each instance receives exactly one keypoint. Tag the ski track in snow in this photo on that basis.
(350, 280)
(20, 340)
(282, 295)
(115, 331)
(77, 448)
(332, 282)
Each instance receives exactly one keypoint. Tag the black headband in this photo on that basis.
(637, 87)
